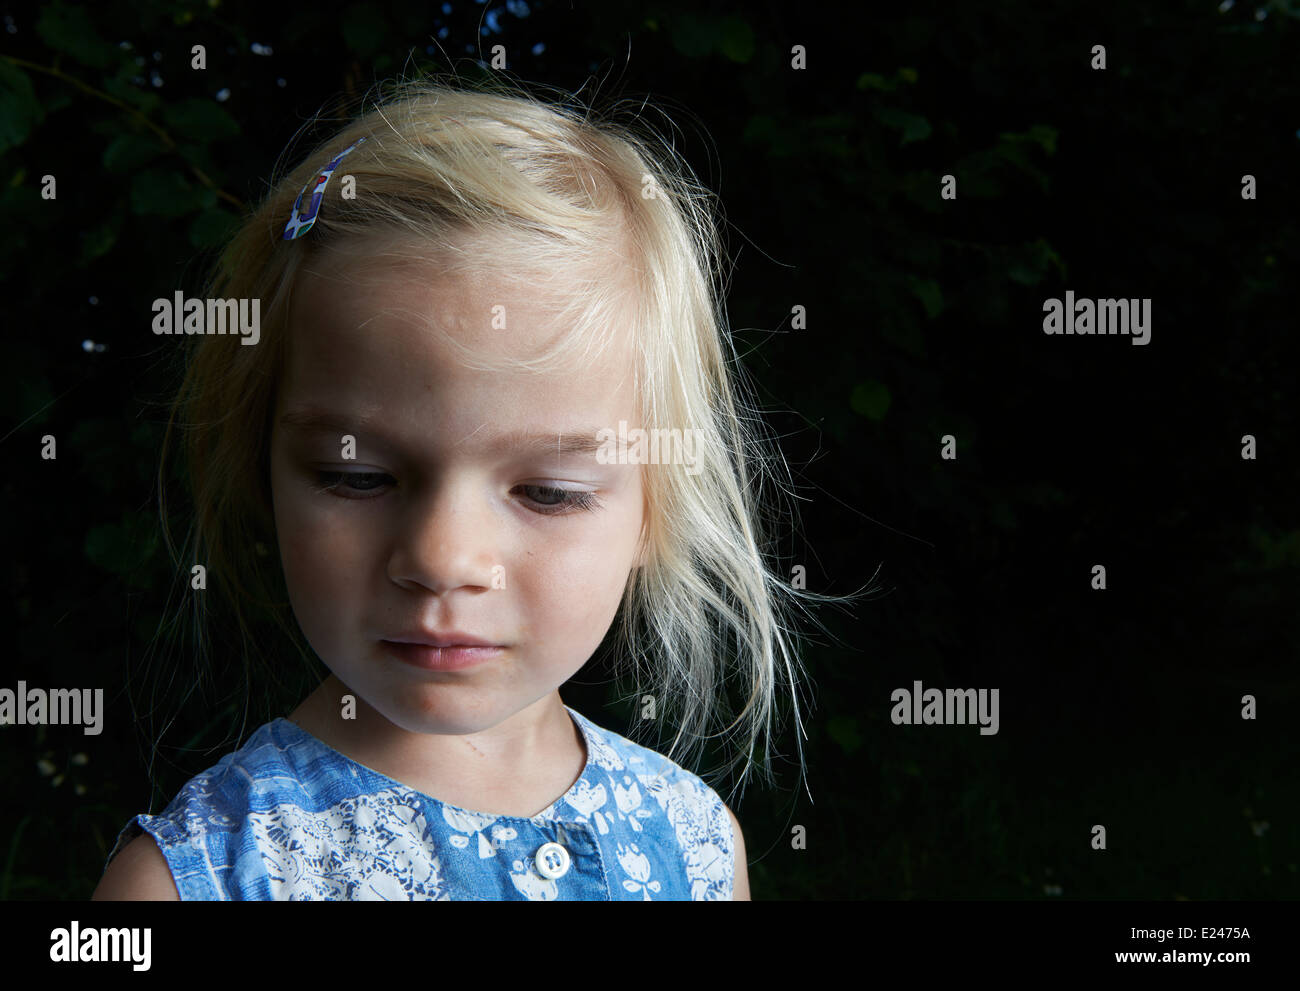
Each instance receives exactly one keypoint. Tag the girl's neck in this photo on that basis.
(516, 770)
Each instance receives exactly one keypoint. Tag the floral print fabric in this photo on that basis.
(287, 817)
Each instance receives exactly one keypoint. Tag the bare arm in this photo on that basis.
(138, 874)
(740, 890)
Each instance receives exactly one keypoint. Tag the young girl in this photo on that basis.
(472, 303)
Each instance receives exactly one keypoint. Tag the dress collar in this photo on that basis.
(558, 811)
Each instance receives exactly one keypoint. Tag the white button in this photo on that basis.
(552, 860)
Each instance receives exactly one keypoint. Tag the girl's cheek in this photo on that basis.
(566, 564)
(311, 549)
(581, 573)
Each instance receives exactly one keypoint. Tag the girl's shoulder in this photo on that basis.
(274, 766)
(644, 803)
(612, 751)
(271, 759)
(625, 762)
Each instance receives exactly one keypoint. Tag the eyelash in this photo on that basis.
(332, 480)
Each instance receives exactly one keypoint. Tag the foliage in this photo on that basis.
(923, 319)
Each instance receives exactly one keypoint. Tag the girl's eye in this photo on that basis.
(568, 499)
(553, 500)
(332, 481)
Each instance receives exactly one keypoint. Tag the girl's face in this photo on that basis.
(438, 524)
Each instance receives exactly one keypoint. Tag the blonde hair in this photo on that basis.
(544, 185)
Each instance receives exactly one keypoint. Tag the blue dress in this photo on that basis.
(287, 817)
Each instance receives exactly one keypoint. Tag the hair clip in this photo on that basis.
(302, 219)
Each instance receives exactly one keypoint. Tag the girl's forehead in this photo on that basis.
(457, 369)
(462, 310)
(479, 311)
(489, 260)
(453, 329)
(359, 280)
(454, 297)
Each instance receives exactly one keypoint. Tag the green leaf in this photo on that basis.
(1031, 263)
(97, 241)
(844, 731)
(127, 152)
(1040, 134)
(874, 80)
(163, 193)
(20, 111)
(211, 228)
(197, 154)
(827, 135)
(914, 127)
(57, 101)
(69, 30)
(200, 120)
(929, 293)
(737, 39)
(126, 91)
(872, 400)
(837, 124)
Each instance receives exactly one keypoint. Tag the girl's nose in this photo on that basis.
(447, 539)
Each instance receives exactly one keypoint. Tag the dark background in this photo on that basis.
(1119, 707)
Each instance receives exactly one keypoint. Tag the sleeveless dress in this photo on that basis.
(287, 817)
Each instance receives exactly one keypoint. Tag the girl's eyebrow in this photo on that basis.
(576, 440)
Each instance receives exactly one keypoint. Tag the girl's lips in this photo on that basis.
(442, 658)
(452, 638)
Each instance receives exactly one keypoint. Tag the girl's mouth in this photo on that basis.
(441, 658)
